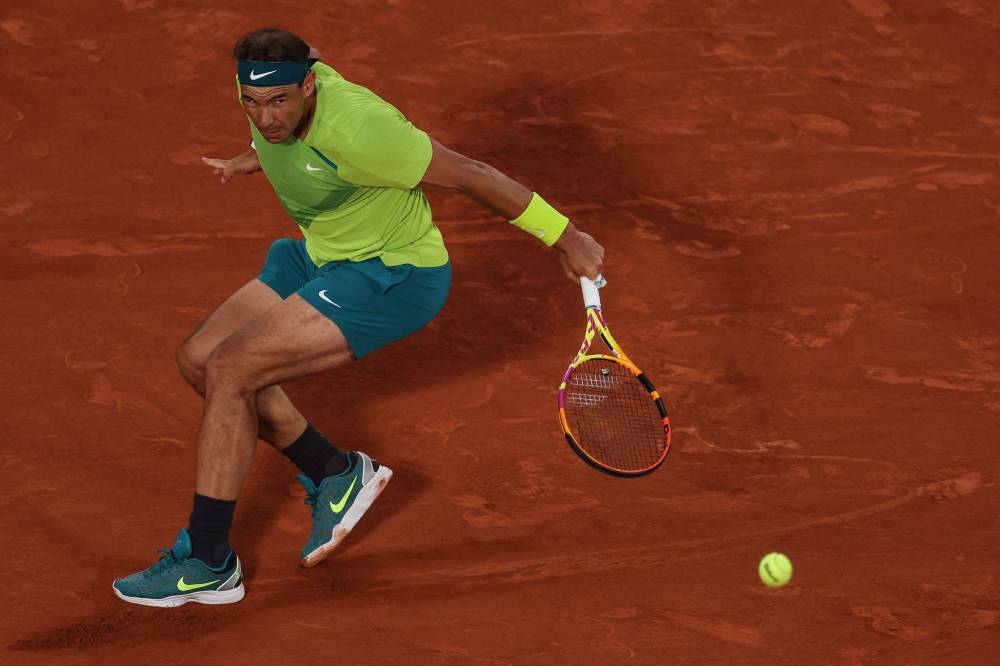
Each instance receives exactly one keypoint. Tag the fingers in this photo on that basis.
(596, 259)
(567, 270)
(589, 265)
(582, 256)
(220, 168)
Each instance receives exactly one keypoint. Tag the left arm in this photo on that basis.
(581, 255)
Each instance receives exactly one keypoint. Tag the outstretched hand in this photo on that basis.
(246, 163)
(581, 255)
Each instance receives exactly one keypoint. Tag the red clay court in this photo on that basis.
(800, 205)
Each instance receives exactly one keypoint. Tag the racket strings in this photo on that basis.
(613, 417)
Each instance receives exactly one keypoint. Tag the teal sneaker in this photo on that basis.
(339, 503)
(178, 578)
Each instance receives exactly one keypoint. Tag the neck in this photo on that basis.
(303, 129)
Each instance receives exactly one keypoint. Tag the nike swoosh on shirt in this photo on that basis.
(254, 77)
(339, 506)
(310, 167)
(322, 295)
(187, 587)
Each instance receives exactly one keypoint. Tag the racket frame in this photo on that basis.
(596, 327)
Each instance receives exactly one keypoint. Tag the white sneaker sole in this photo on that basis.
(212, 598)
(366, 497)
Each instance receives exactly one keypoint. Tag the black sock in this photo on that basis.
(209, 529)
(315, 456)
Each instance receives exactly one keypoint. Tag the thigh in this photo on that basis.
(286, 268)
(290, 340)
(248, 303)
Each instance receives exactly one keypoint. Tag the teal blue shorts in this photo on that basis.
(372, 304)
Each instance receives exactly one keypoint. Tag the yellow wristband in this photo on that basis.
(542, 220)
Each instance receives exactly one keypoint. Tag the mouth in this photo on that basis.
(272, 133)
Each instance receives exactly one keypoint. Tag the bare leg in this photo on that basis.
(279, 422)
(290, 340)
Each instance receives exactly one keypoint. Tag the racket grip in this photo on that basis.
(591, 296)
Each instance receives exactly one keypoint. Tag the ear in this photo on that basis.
(309, 84)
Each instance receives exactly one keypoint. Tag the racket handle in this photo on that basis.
(591, 296)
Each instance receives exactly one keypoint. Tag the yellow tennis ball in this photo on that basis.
(775, 569)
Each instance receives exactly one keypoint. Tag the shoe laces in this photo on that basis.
(166, 559)
(313, 501)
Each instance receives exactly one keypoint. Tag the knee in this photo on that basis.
(192, 358)
(226, 369)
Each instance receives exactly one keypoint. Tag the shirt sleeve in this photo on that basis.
(387, 150)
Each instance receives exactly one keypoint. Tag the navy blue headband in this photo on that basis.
(267, 74)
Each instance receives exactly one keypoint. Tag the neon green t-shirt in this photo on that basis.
(351, 184)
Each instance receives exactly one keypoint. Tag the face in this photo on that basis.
(279, 111)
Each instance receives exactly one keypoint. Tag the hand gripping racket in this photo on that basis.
(612, 415)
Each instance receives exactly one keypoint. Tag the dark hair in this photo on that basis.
(271, 45)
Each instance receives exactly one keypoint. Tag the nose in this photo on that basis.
(266, 117)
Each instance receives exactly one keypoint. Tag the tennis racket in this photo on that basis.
(612, 415)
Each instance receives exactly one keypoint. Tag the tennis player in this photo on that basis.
(371, 268)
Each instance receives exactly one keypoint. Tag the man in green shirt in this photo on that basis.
(370, 269)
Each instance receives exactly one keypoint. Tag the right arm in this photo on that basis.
(581, 256)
